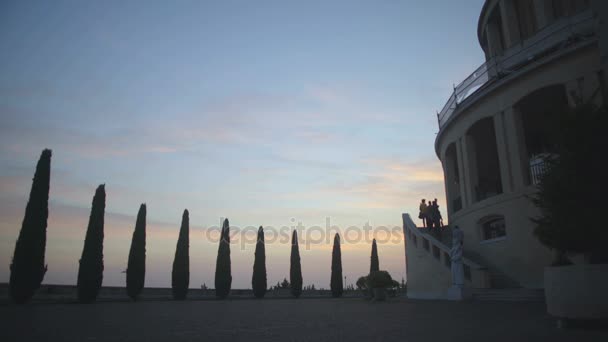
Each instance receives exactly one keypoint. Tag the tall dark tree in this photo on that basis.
(375, 263)
(572, 184)
(27, 267)
(258, 281)
(180, 277)
(223, 274)
(90, 271)
(136, 269)
(295, 269)
(337, 285)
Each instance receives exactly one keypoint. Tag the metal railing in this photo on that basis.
(537, 170)
(551, 38)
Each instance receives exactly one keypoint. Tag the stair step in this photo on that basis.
(511, 295)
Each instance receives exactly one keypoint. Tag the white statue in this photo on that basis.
(456, 256)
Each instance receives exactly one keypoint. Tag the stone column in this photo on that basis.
(494, 40)
(516, 148)
(600, 7)
(461, 172)
(510, 24)
(502, 150)
(467, 169)
(446, 182)
(544, 12)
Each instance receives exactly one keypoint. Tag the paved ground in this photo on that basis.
(286, 320)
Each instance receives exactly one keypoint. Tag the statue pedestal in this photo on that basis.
(459, 293)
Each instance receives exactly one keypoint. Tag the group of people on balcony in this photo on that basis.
(430, 214)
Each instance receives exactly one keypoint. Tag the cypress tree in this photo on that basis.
(337, 286)
(295, 269)
(27, 267)
(375, 263)
(180, 277)
(90, 271)
(258, 281)
(136, 269)
(223, 275)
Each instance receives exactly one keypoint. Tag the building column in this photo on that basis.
(494, 40)
(461, 170)
(510, 24)
(544, 12)
(469, 168)
(516, 148)
(600, 8)
(502, 149)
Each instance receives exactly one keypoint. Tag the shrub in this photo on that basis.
(573, 181)
(27, 267)
(336, 283)
(380, 279)
(136, 268)
(258, 280)
(295, 270)
(180, 276)
(90, 271)
(375, 262)
(223, 273)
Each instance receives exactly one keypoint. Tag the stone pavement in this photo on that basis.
(316, 320)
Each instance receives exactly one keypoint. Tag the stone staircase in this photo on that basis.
(503, 287)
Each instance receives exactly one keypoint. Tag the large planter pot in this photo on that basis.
(380, 294)
(367, 293)
(577, 291)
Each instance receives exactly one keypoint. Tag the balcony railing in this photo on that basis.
(554, 37)
(538, 166)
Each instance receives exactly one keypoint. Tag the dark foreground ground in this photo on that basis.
(316, 320)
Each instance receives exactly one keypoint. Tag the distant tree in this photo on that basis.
(136, 268)
(90, 271)
(295, 270)
(180, 276)
(27, 267)
(337, 286)
(284, 284)
(258, 280)
(375, 263)
(223, 275)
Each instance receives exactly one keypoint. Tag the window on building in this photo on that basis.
(415, 240)
(425, 244)
(493, 228)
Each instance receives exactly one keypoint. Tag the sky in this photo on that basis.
(276, 113)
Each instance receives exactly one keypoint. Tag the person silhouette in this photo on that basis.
(438, 220)
(423, 213)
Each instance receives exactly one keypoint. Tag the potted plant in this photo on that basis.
(393, 289)
(569, 221)
(362, 285)
(379, 281)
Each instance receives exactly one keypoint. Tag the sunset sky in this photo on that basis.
(266, 112)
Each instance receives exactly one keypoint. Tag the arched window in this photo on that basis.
(492, 227)
(484, 165)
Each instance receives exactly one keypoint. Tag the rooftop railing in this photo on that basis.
(554, 37)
